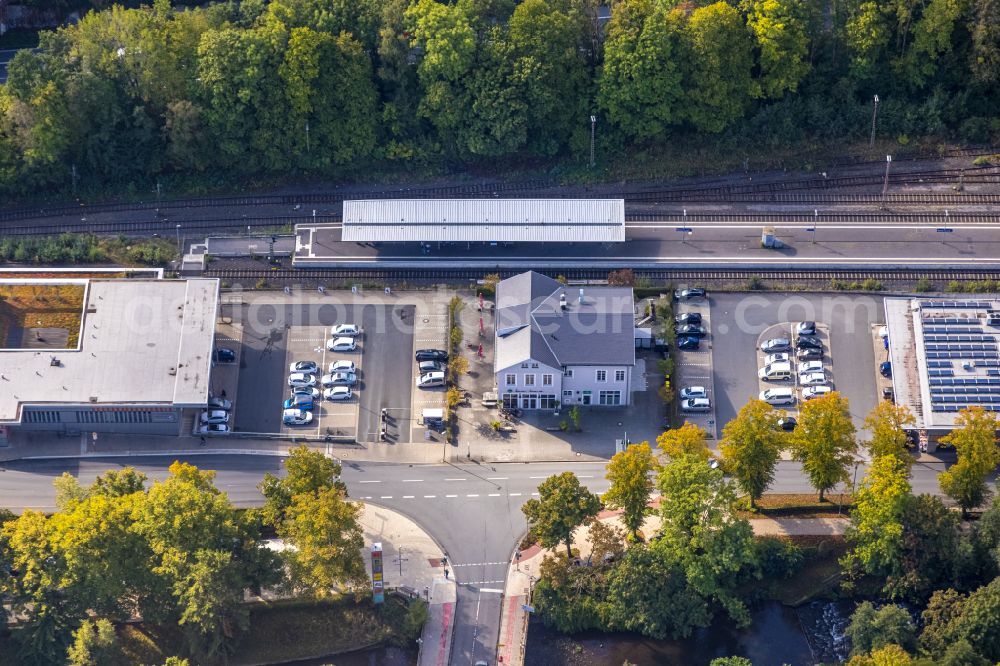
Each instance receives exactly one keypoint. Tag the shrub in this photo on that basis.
(923, 285)
(754, 283)
(778, 558)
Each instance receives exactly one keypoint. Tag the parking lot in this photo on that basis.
(278, 333)
(741, 321)
(694, 367)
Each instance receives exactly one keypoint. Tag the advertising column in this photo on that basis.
(378, 585)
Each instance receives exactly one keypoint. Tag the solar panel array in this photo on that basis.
(975, 355)
(956, 305)
(936, 321)
(939, 364)
(940, 372)
(958, 408)
(959, 338)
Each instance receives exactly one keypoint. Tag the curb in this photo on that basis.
(157, 454)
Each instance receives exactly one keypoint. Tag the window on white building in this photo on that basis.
(546, 380)
(511, 379)
(568, 372)
(610, 398)
(534, 365)
(529, 380)
(524, 365)
(619, 375)
(602, 375)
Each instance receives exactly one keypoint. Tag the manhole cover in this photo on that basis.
(426, 320)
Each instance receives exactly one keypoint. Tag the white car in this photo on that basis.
(812, 379)
(338, 393)
(216, 402)
(778, 396)
(345, 331)
(696, 405)
(815, 392)
(306, 391)
(308, 367)
(339, 379)
(810, 366)
(296, 417)
(342, 344)
(213, 429)
(215, 416)
(342, 365)
(301, 379)
(883, 332)
(693, 392)
(776, 358)
(430, 379)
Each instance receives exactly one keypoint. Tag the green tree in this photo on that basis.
(751, 446)
(975, 444)
(562, 506)
(717, 58)
(119, 482)
(824, 441)
(938, 619)
(631, 484)
(876, 531)
(689, 439)
(872, 629)
(888, 655)
(640, 83)
(700, 532)
(931, 551)
(887, 424)
(985, 57)
(730, 661)
(306, 471)
(778, 27)
(94, 644)
(867, 36)
(961, 653)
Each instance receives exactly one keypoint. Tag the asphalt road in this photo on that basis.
(473, 511)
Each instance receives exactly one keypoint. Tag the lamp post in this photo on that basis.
(593, 124)
(178, 229)
(871, 141)
(885, 181)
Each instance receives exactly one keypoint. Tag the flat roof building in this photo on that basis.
(944, 355)
(133, 359)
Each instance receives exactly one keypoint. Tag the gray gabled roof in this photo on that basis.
(531, 322)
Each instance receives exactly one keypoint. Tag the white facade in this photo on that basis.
(534, 385)
(606, 385)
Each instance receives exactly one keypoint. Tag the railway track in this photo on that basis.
(679, 274)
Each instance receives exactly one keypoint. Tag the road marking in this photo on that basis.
(412, 480)
(429, 496)
(472, 495)
(369, 482)
(451, 495)
(480, 564)
(515, 494)
(538, 477)
(534, 493)
(485, 582)
(496, 478)
(455, 479)
(407, 496)
(490, 590)
(386, 497)
(494, 495)
(584, 476)
(367, 497)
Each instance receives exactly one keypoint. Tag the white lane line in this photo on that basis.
(412, 480)
(480, 564)
(496, 478)
(386, 497)
(369, 482)
(515, 494)
(472, 495)
(429, 496)
(584, 476)
(456, 479)
(367, 497)
(451, 495)
(538, 477)
(407, 496)
(534, 493)
(494, 495)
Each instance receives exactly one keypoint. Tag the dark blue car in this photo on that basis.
(687, 343)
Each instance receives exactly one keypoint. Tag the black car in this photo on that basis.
(431, 355)
(885, 369)
(691, 331)
(225, 355)
(689, 294)
(688, 318)
(809, 354)
(806, 328)
(787, 423)
(808, 343)
(687, 343)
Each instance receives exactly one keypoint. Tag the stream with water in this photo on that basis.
(811, 634)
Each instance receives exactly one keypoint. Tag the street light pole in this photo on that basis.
(871, 141)
(885, 181)
(593, 124)
(178, 239)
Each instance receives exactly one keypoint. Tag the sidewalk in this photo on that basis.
(412, 562)
(524, 571)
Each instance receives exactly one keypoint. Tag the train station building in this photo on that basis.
(87, 355)
(945, 358)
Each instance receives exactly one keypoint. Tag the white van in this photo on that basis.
(775, 372)
(778, 396)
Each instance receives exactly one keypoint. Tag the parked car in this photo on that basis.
(431, 355)
(812, 378)
(696, 405)
(806, 328)
(430, 366)
(689, 294)
(776, 345)
(342, 365)
(296, 417)
(345, 331)
(787, 423)
(310, 391)
(309, 367)
(430, 380)
(806, 342)
(687, 343)
(778, 396)
(341, 344)
(216, 402)
(339, 379)
(297, 379)
(298, 402)
(811, 392)
(224, 355)
(213, 429)
(780, 357)
(885, 368)
(810, 366)
(688, 318)
(693, 392)
(776, 372)
(809, 354)
(338, 393)
(691, 331)
(883, 332)
(214, 416)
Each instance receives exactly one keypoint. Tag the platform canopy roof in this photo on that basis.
(485, 220)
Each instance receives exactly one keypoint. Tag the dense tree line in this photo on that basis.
(175, 552)
(331, 86)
